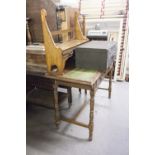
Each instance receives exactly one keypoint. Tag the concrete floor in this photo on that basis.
(111, 126)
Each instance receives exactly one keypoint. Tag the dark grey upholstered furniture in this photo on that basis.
(96, 55)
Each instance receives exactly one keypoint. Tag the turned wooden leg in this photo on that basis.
(91, 115)
(85, 91)
(69, 92)
(80, 90)
(56, 106)
(110, 84)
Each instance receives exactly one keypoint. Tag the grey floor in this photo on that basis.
(111, 126)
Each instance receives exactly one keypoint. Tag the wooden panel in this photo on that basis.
(35, 54)
(33, 8)
(70, 44)
(60, 32)
(39, 82)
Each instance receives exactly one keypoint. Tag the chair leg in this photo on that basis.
(69, 92)
(110, 84)
(56, 106)
(80, 91)
(91, 115)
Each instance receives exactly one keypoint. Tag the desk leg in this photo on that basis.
(91, 116)
(56, 106)
(110, 83)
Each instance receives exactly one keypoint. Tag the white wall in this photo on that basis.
(72, 3)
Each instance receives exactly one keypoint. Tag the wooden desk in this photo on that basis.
(55, 59)
(78, 78)
(83, 79)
